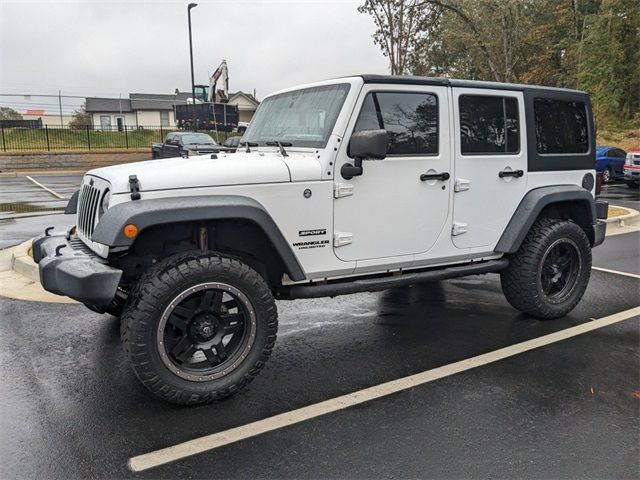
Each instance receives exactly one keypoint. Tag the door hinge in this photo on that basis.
(461, 185)
(340, 239)
(458, 228)
(342, 190)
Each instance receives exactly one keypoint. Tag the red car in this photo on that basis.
(632, 168)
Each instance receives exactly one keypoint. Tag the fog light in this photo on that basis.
(130, 230)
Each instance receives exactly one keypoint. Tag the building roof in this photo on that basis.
(155, 101)
(96, 104)
(248, 96)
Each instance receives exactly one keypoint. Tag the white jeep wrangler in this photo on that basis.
(348, 185)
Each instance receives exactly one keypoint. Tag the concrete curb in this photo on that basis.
(631, 218)
(20, 279)
(19, 259)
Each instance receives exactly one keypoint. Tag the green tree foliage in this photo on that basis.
(7, 113)
(81, 118)
(609, 60)
(592, 45)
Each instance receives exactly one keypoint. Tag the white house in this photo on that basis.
(247, 105)
(146, 110)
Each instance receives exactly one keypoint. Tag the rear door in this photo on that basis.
(490, 163)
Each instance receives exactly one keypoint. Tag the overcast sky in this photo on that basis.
(104, 48)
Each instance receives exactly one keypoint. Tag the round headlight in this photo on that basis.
(104, 203)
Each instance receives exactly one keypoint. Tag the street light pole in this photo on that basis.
(193, 84)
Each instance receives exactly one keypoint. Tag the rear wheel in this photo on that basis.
(632, 184)
(548, 275)
(199, 327)
(606, 175)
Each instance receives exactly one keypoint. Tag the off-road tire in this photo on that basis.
(153, 293)
(521, 281)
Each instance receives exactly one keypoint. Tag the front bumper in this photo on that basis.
(67, 267)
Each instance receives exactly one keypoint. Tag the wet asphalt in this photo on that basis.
(72, 408)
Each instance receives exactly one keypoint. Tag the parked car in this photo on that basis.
(231, 143)
(632, 168)
(355, 184)
(186, 144)
(610, 162)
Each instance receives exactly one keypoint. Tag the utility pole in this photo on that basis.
(60, 105)
(193, 83)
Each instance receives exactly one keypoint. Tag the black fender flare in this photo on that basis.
(72, 206)
(159, 211)
(532, 205)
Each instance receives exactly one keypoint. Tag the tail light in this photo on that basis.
(598, 183)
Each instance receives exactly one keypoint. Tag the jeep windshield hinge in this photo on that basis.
(134, 187)
(342, 190)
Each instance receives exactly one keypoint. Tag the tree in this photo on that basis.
(7, 113)
(400, 25)
(81, 118)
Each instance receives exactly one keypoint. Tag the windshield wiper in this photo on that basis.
(248, 144)
(281, 146)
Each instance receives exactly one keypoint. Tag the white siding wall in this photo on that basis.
(129, 119)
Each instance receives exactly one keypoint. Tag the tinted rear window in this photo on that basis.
(561, 126)
(489, 124)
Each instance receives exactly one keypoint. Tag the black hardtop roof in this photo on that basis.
(450, 82)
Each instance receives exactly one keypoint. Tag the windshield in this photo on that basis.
(197, 139)
(302, 118)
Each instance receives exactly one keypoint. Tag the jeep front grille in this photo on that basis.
(88, 204)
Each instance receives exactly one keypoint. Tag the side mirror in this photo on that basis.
(364, 145)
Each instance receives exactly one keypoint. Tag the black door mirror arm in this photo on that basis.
(348, 171)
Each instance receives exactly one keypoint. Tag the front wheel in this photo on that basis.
(199, 327)
(606, 175)
(549, 273)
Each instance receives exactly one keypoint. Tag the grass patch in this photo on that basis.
(625, 139)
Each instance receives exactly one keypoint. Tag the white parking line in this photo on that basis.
(617, 272)
(55, 194)
(216, 440)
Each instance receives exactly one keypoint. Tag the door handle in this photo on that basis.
(434, 176)
(514, 173)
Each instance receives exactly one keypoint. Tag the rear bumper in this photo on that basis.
(599, 232)
(68, 268)
(600, 227)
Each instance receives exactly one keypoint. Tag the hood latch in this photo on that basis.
(134, 187)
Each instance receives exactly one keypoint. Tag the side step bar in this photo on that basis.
(346, 287)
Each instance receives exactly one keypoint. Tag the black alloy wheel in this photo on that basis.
(205, 331)
(560, 268)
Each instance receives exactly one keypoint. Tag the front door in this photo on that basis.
(490, 163)
(392, 209)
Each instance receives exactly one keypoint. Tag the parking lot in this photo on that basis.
(488, 392)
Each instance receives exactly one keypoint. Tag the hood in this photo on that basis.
(203, 171)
